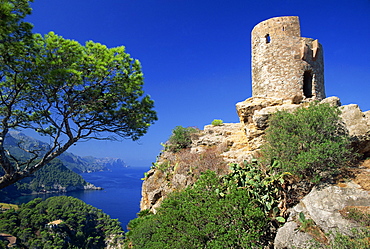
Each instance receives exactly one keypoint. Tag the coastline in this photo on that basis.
(60, 189)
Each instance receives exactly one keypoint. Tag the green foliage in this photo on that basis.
(230, 211)
(301, 217)
(359, 240)
(51, 177)
(82, 226)
(163, 166)
(64, 90)
(145, 176)
(180, 138)
(101, 88)
(308, 142)
(199, 217)
(263, 187)
(14, 32)
(217, 122)
(305, 224)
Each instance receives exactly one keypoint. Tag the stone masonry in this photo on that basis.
(284, 64)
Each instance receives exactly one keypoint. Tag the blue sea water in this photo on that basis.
(120, 197)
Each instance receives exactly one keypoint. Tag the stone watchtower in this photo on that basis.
(284, 64)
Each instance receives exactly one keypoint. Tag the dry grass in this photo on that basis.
(363, 177)
(360, 174)
(193, 164)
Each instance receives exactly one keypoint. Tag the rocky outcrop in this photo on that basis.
(176, 171)
(358, 126)
(255, 112)
(154, 189)
(241, 141)
(115, 241)
(323, 207)
(231, 135)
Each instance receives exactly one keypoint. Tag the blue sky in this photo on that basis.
(196, 54)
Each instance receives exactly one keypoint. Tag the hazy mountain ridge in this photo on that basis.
(75, 163)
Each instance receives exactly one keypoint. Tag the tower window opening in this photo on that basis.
(283, 28)
(307, 84)
(268, 38)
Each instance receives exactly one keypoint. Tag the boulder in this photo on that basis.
(214, 135)
(260, 118)
(323, 206)
(289, 236)
(358, 126)
(246, 109)
(333, 101)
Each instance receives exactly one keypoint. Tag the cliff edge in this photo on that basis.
(215, 147)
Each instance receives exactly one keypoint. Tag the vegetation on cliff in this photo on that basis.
(210, 214)
(180, 138)
(236, 210)
(305, 146)
(54, 177)
(310, 142)
(60, 222)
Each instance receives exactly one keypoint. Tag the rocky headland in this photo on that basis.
(287, 74)
(238, 142)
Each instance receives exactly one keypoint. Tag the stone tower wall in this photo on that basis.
(284, 64)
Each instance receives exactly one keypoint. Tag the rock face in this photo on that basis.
(176, 171)
(323, 206)
(254, 113)
(231, 135)
(154, 189)
(358, 126)
(242, 141)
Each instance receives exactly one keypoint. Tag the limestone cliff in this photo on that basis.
(217, 146)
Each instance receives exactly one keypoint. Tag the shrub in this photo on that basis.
(83, 226)
(217, 122)
(308, 142)
(199, 217)
(180, 138)
(262, 186)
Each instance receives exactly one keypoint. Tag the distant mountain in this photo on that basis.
(105, 162)
(73, 162)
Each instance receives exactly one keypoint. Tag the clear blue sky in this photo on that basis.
(196, 54)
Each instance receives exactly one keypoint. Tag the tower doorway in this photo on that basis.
(307, 84)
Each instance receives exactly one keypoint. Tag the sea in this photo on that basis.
(120, 197)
